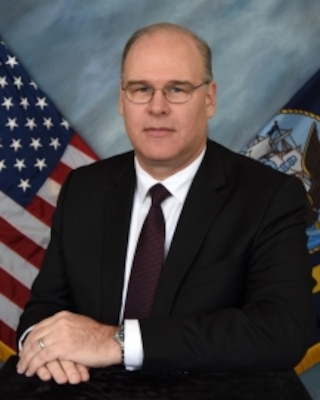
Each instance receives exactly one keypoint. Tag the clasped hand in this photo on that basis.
(63, 347)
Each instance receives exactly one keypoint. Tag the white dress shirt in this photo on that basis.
(178, 185)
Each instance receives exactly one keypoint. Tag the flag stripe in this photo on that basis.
(22, 245)
(81, 145)
(49, 191)
(17, 266)
(23, 221)
(41, 209)
(13, 289)
(60, 172)
(75, 158)
(7, 333)
(10, 312)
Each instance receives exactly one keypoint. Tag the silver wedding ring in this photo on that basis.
(41, 344)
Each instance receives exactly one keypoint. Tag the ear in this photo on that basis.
(211, 99)
(120, 100)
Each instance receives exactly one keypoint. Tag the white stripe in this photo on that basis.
(10, 312)
(23, 221)
(75, 158)
(49, 191)
(17, 266)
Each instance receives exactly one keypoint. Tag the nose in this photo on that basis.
(158, 104)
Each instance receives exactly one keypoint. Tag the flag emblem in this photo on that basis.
(290, 143)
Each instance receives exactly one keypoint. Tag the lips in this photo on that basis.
(158, 130)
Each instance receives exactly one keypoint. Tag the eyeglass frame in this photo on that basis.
(163, 90)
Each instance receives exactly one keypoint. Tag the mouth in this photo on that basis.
(158, 131)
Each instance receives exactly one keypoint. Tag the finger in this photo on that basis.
(75, 373)
(44, 327)
(32, 343)
(30, 350)
(84, 372)
(36, 359)
(67, 371)
(44, 374)
(57, 372)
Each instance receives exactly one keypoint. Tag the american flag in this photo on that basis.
(38, 148)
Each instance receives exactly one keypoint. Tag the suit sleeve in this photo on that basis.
(275, 323)
(50, 291)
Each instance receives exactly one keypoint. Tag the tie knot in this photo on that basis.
(158, 193)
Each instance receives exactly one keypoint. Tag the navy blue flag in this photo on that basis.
(290, 143)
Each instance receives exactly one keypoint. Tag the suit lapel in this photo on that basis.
(204, 200)
(118, 205)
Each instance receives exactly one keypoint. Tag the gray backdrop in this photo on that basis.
(263, 51)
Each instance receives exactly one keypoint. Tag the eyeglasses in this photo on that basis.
(176, 92)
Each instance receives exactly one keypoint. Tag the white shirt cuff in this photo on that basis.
(23, 336)
(133, 348)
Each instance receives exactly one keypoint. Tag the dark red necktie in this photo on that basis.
(148, 259)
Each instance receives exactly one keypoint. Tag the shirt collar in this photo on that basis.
(177, 184)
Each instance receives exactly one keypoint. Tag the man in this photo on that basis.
(234, 291)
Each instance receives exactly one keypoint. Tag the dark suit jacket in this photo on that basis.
(235, 290)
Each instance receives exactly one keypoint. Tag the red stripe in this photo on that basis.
(60, 172)
(41, 210)
(13, 289)
(19, 243)
(81, 145)
(8, 335)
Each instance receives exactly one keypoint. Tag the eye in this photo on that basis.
(140, 89)
(177, 89)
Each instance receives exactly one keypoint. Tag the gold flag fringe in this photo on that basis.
(311, 358)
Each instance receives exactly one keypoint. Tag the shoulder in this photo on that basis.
(106, 169)
(250, 176)
(242, 167)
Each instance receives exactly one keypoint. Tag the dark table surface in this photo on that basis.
(115, 383)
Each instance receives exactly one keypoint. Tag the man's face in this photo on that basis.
(166, 137)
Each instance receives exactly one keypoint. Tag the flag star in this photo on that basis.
(40, 163)
(12, 123)
(2, 165)
(3, 82)
(24, 184)
(33, 84)
(20, 164)
(16, 144)
(24, 102)
(35, 143)
(65, 123)
(7, 103)
(55, 143)
(12, 61)
(41, 102)
(30, 124)
(47, 122)
(18, 82)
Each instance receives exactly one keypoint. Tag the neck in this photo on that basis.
(160, 170)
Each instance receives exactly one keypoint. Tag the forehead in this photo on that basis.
(164, 56)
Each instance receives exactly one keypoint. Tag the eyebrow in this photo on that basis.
(144, 82)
